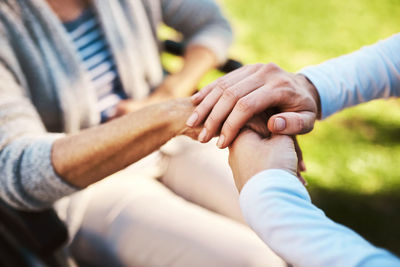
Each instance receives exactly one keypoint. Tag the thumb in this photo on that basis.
(292, 123)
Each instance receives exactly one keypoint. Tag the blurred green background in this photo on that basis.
(353, 157)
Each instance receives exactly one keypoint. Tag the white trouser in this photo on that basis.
(132, 219)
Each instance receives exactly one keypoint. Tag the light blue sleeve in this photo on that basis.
(278, 208)
(370, 73)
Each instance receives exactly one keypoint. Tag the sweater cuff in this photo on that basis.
(319, 80)
(41, 185)
(269, 180)
(216, 39)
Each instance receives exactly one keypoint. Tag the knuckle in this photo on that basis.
(261, 75)
(210, 122)
(230, 94)
(307, 125)
(310, 103)
(228, 127)
(244, 105)
(258, 66)
(284, 82)
(286, 93)
(291, 92)
(201, 109)
(265, 93)
(222, 84)
(203, 92)
(266, 70)
(300, 124)
(271, 67)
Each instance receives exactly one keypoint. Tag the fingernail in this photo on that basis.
(221, 141)
(202, 135)
(279, 124)
(192, 119)
(195, 96)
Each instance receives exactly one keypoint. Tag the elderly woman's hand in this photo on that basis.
(250, 154)
(174, 86)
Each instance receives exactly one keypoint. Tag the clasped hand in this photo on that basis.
(229, 103)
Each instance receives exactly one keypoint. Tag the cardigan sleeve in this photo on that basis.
(201, 22)
(27, 177)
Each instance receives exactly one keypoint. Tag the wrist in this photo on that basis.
(185, 83)
(312, 90)
(178, 111)
(242, 179)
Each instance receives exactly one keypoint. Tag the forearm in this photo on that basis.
(370, 73)
(89, 156)
(198, 60)
(279, 209)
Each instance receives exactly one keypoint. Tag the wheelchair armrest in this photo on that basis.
(41, 232)
(178, 49)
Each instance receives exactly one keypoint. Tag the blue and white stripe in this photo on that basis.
(91, 44)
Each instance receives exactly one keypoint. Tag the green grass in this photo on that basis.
(297, 33)
(353, 157)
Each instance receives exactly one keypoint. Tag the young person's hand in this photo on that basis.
(250, 154)
(230, 101)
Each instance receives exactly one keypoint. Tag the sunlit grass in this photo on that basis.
(358, 150)
(297, 33)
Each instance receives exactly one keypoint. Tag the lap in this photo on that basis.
(139, 222)
(200, 173)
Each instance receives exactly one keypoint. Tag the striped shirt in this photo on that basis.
(91, 44)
